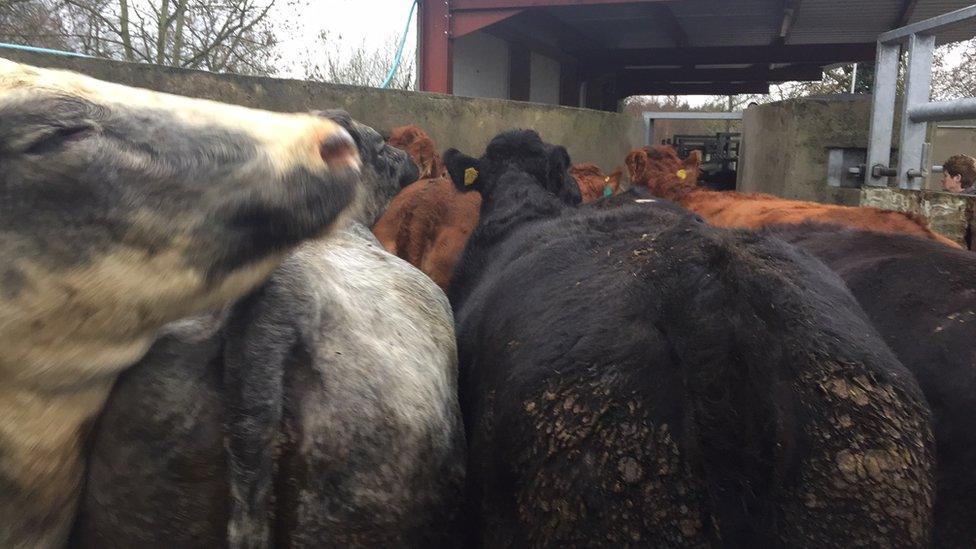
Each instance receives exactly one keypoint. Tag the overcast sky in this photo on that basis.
(349, 24)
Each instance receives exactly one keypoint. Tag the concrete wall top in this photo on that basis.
(464, 123)
(953, 215)
(785, 146)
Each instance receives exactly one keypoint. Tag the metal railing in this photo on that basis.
(650, 117)
(917, 110)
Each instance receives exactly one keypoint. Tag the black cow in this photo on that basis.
(634, 376)
(549, 164)
(921, 296)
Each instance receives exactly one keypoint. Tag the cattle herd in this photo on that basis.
(223, 327)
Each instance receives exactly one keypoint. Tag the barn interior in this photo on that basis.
(595, 53)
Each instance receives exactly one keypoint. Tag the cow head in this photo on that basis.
(558, 179)
(385, 170)
(421, 149)
(464, 170)
(122, 209)
(521, 151)
(663, 172)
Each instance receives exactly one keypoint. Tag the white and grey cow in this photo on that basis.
(122, 210)
(319, 411)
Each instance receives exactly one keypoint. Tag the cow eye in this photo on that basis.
(58, 137)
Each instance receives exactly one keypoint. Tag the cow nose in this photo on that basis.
(339, 150)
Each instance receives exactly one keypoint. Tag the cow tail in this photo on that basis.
(737, 403)
(258, 340)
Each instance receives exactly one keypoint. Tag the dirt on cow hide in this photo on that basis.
(610, 445)
(870, 464)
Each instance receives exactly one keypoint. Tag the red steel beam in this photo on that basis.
(459, 5)
(471, 21)
(823, 54)
(436, 60)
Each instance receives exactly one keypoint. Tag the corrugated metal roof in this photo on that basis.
(930, 8)
(752, 22)
(839, 21)
(745, 23)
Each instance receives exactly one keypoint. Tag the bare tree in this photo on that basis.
(665, 129)
(226, 35)
(954, 80)
(363, 66)
(31, 22)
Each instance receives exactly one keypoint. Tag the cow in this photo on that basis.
(428, 224)
(659, 169)
(921, 296)
(632, 375)
(421, 148)
(593, 183)
(333, 385)
(429, 221)
(122, 210)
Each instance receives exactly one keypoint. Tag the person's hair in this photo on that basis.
(962, 165)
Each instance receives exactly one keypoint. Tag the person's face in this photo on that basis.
(952, 183)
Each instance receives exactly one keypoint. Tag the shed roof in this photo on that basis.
(698, 46)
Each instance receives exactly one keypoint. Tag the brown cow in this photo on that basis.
(428, 224)
(421, 149)
(593, 183)
(661, 171)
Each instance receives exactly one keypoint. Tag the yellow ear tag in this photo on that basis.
(682, 174)
(606, 179)
(470, 176)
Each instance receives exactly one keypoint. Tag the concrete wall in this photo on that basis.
(481, 66)
(467, 124)
(785, 153)
(544, 80)
(950, 214)
(785, 146)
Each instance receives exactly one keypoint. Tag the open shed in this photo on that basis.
(593, 53)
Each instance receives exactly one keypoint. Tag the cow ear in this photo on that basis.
(694, 159)
(561, 183)
(636, 164)
(464, 170)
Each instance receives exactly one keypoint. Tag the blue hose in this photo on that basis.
(4, 45)
(399, 53)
